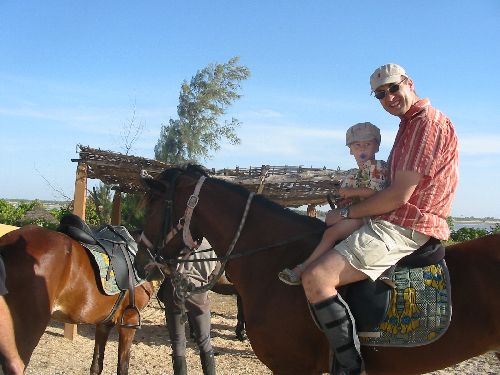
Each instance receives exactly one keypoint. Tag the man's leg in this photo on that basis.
(198, 306)
(176, 329)
(322, 278)
(13, 364)
(320, 282)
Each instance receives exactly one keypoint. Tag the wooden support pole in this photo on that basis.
(79, 203)
(116, 217)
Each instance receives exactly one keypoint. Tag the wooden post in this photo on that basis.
(116, 211)
(79, 202)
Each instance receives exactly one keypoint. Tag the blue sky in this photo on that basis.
(74, 72)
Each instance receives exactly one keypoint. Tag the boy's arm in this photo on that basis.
(349, 192)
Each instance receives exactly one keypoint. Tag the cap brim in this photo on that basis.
(386, 80)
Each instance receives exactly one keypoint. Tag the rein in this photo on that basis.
(247, 253)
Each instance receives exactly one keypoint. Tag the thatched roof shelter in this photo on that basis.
(290, 186)
(39, 213)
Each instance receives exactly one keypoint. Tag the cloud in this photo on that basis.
(479, 144)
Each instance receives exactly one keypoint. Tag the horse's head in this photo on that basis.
(169, 202)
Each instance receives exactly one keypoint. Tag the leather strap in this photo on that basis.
(191, 204)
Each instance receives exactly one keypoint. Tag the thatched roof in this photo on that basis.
(290, 186)
(39, 213)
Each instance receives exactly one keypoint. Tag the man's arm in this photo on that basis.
(387, 200)
(8, 342)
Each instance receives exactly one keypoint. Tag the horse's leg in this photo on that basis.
(101, 338)
(240, 325)
(126, 336)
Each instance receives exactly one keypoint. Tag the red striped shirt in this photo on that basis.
(426, 143)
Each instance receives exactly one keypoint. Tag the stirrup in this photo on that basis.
(289, 277)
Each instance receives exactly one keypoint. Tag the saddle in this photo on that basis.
(113, 241)
(374, 303)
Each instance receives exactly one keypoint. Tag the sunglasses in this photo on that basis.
(392, 89)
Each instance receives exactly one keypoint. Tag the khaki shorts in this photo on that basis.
(378, 245)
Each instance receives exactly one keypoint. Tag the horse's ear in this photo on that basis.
(150, 183)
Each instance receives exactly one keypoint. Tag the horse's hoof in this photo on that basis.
(241, 335)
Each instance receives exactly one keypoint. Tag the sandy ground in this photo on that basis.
(56, 355)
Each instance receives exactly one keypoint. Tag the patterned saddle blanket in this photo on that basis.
(419, 309)
(112, 265)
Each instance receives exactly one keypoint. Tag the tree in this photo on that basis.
(202, 103)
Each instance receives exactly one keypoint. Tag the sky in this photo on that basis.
(80, 72)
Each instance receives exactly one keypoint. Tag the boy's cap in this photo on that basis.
(388, 73)
(364, 131)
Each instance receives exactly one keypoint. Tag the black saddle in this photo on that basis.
(114, 241)
(369, 300)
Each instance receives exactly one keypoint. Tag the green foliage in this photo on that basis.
(132, 212)
(465, 234)
(202, 102)
(17, 216)
(8, 213)
(58, 213)
(99, 206)
(451, 223)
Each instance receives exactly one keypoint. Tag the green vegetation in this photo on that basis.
(202, 102)
(96, 215)
(31, 212)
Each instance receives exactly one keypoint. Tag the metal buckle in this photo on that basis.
(192, 201)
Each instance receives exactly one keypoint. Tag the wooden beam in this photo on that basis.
(79, 203)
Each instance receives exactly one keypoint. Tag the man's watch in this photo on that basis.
(344, 212)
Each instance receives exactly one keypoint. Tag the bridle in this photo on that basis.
(169, 231)
(182, 287)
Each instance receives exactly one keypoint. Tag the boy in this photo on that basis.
(363, 140)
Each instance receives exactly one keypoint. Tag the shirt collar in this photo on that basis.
(418, 106)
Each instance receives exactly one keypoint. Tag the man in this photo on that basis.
(198, 311)
(423, 166)
(10, 360)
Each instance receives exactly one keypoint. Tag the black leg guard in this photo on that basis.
(179, 365)
(334, 319)
(208, 362)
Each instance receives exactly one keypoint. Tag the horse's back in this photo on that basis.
(35, 261)
(474, 266)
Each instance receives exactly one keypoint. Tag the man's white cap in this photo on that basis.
(388, 73)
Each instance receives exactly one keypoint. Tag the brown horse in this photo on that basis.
(50, 275)
(268, 237)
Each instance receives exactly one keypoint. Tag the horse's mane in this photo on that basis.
(266, 202)
(192, 169)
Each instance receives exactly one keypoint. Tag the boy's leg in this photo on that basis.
(332, 234)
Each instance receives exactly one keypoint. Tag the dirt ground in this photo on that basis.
(56, 355)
